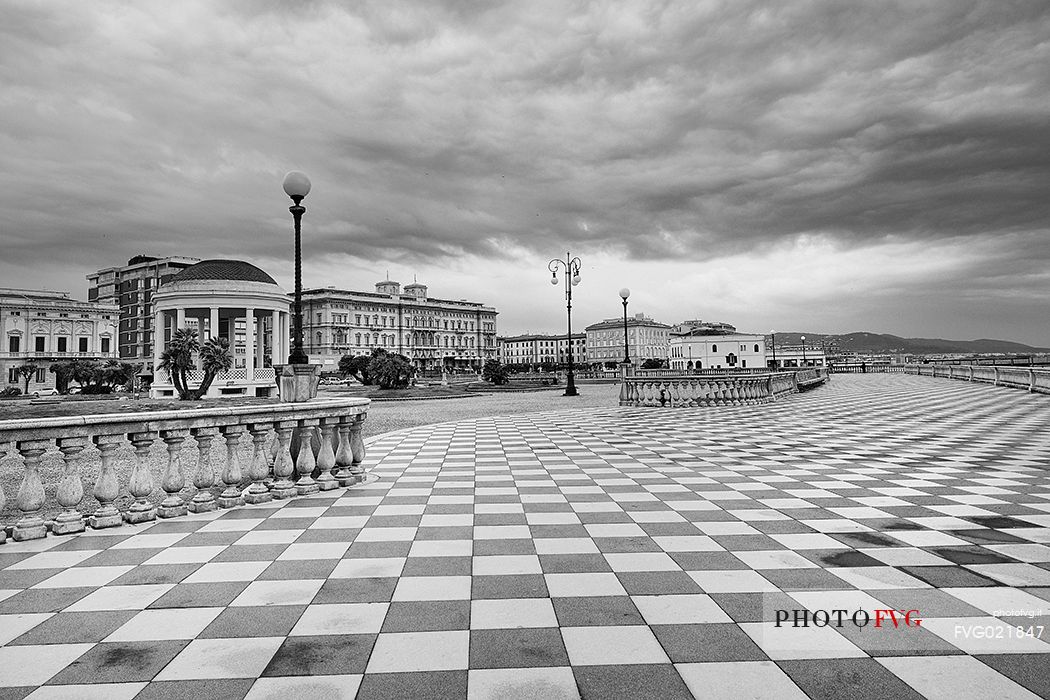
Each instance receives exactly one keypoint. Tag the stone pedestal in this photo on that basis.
(298, 383)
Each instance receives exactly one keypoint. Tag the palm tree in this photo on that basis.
(177, 360)
(215, 358)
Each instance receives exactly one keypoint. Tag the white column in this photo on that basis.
(249, 344)
(213, 322)
(180, 319)
(260, 342)
(286, 333)
(158, 340)
(275, 333)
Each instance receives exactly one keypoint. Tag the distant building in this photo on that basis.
(42, 327)
(431, 332)
(132, 287)
(537, 348)
(646, 339)
(704, 345)
(789, 356)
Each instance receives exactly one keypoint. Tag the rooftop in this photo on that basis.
(598, 552)
(226, 270)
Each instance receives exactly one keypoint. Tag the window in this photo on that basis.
(756, 347)
(39, 343)
(12, 376)
(41, 375)
(105, 344)
(13, 343)
(714, 348)
(63, 344)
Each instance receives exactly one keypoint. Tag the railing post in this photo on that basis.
(30, 497)
(1031, 381)
(3, 498)
(305, 462)
(258, 469)
(344, 455)
(970, 378)
(231, 471)
(174, 481)
(141, 482)
(283, 466)
(357, 443)
(107, 488)
(70, 490)
(996, 382)
(204, 500)
(326, 481)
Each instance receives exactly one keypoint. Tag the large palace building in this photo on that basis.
(42, 327)
(431, 332)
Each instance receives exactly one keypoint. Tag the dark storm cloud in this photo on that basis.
(670, 131)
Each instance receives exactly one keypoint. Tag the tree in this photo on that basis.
(652, 363)
(63, 373)
(391, 371)
(215, 358)
(356, 366)
(494, 372)
(177, 359)
(26, 371)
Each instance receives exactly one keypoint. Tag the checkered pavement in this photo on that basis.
(622, 552)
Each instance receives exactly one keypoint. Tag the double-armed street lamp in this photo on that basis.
(624, 293)
(297, 186)
(803, 351)
(773, 344)
(572, 278)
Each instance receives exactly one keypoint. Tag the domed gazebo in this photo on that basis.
(230, 299)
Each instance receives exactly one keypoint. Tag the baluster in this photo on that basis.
(204, 500)
(173, 506)
(107, 488)
(274, 444)
(141, 484)
(326, 456)
(344, 456)
(70, 489)
(3, 498)
(231, 472)
(305, 463)
(283, 466)
(357, 444)
(30, 498)
(258, 469)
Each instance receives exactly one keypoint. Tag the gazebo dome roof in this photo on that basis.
(226, 270)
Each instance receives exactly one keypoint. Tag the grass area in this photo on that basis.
(79, 405)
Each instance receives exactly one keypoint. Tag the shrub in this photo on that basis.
(10, 391)
(494, 372)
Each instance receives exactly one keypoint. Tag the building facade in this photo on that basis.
(41, 327)
(534, 348)
(132, 287)
(646, 339)
(431, 332)
(704, 349)
(799, 356)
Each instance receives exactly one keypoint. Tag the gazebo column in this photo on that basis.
(249, 344)
(275, 333)
(180, 319)
(213, 322)
(158, 341)
(260, 342)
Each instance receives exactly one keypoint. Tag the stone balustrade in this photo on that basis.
(325, 435)
(1028, 378)
(716, 390)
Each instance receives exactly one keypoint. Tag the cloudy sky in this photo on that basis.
(805, 166)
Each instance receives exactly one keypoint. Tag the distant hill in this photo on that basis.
(863, 342)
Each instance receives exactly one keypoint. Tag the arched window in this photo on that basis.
(714, 348)
(756, 347)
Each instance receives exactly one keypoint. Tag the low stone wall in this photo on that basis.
(328, 440)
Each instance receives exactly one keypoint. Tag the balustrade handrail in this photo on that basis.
(328, 442)
(1029, 378)
(717, 389)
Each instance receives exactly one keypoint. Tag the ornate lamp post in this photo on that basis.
(572, 278)
(773, 344)
(803, 351)
(624, 293)
(297, 186)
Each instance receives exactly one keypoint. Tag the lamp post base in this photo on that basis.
(570, 386)
(298, 383)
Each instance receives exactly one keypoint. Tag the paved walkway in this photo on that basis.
(610, 553)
